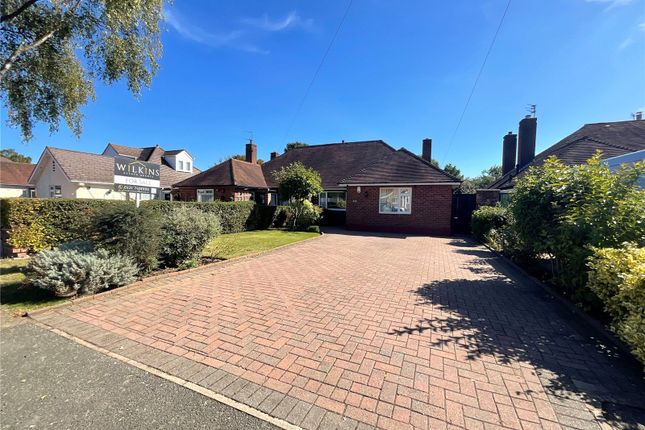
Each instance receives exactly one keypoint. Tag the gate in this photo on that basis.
(463, 206)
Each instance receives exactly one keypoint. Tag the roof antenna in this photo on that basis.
(638, 116)
(250, 132)
(532, 110)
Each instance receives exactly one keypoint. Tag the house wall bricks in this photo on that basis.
(430, 214)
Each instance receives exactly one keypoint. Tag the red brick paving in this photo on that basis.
(354, 330)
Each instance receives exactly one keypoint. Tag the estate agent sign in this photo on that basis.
(136, 176)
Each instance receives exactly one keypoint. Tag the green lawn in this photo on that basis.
(250, 242)
(18, 296)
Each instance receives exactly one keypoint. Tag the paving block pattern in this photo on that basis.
(355, 331)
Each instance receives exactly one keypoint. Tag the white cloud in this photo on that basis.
(291, 20)
(625, 43)
(611, 4)
(231, 39)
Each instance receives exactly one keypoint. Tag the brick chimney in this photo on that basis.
(638, 116)
(426, 152)
(526, 141)
(509, 152)
(251, 152)
(274, 155)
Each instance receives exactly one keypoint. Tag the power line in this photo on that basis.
(313, 79)
(481, 69)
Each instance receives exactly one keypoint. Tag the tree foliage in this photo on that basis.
(484, 180)
(51, 51)
(563, 211)
(12, 155)
(293, 145)
(453, 170)
(297, 183)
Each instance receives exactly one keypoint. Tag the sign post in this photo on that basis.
(134, 176)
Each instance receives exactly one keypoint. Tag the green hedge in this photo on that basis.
(617, 277)
(40, 224)
(488, 218)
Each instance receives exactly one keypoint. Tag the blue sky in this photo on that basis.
(398, 71)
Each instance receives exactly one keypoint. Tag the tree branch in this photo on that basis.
(22, 48)
(17, 12)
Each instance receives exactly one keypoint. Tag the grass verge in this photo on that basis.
(16, 294)
(250, 242)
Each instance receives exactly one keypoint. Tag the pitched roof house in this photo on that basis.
(14, 178)
(611, 138)
(76, 174)
(367, 184)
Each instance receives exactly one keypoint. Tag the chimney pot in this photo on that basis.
(426, 153)
(274, 155)
(526, 141)
(251, 152)
(638, 116)
(509, 152)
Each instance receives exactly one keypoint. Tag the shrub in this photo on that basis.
(309, 214)
(130, 231)
(70, 272)
(39, 224)
(234, 217)
(562, 211)
(186, 231)
(298, 183)
(617, 277)
(488, 218)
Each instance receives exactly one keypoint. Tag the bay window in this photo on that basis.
(395, 200)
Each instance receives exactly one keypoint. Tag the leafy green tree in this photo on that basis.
(297, 184)
(12, 155)
(51, 52)
(293, 145)
(487, 177)
(453, 170)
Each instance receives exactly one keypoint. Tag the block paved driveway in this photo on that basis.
(358, 331)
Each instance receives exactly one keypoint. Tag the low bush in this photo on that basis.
(132, 232)
(70, 272)
(309, 214)
(186, 231)
(488, 218)
(617, 277)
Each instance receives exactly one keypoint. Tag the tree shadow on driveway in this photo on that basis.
(500, 314)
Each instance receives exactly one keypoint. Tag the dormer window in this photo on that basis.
(188, 169)
(180, 165)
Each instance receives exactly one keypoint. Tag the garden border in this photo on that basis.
(142, 282)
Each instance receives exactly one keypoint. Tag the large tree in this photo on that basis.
(51, 51)
(12, 155)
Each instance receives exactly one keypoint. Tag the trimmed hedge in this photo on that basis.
(486, 219)
(39, 224)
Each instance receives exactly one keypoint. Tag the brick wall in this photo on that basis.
(430, 214)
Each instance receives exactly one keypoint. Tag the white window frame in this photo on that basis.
(205, 191)
(187, 164)
(53, 191)
(323, 199)
(180, 165)
(397, 191)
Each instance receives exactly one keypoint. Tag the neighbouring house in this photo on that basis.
(76, 174)
(613, 139)
(14, 179)
(231, 180)
(368, 185)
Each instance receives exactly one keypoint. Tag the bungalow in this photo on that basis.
(76, 174)
(14, 179)
(368, 185)
(613, 139)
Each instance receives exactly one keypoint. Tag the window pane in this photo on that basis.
(180, 164)
(387, 200)
(336, 200)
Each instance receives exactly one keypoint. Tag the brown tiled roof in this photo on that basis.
(152, 154)
(96, 168)
(230, 172)
(12, 173)
(127, 150)
(334, 161)
(401, 167)
(612, 138)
